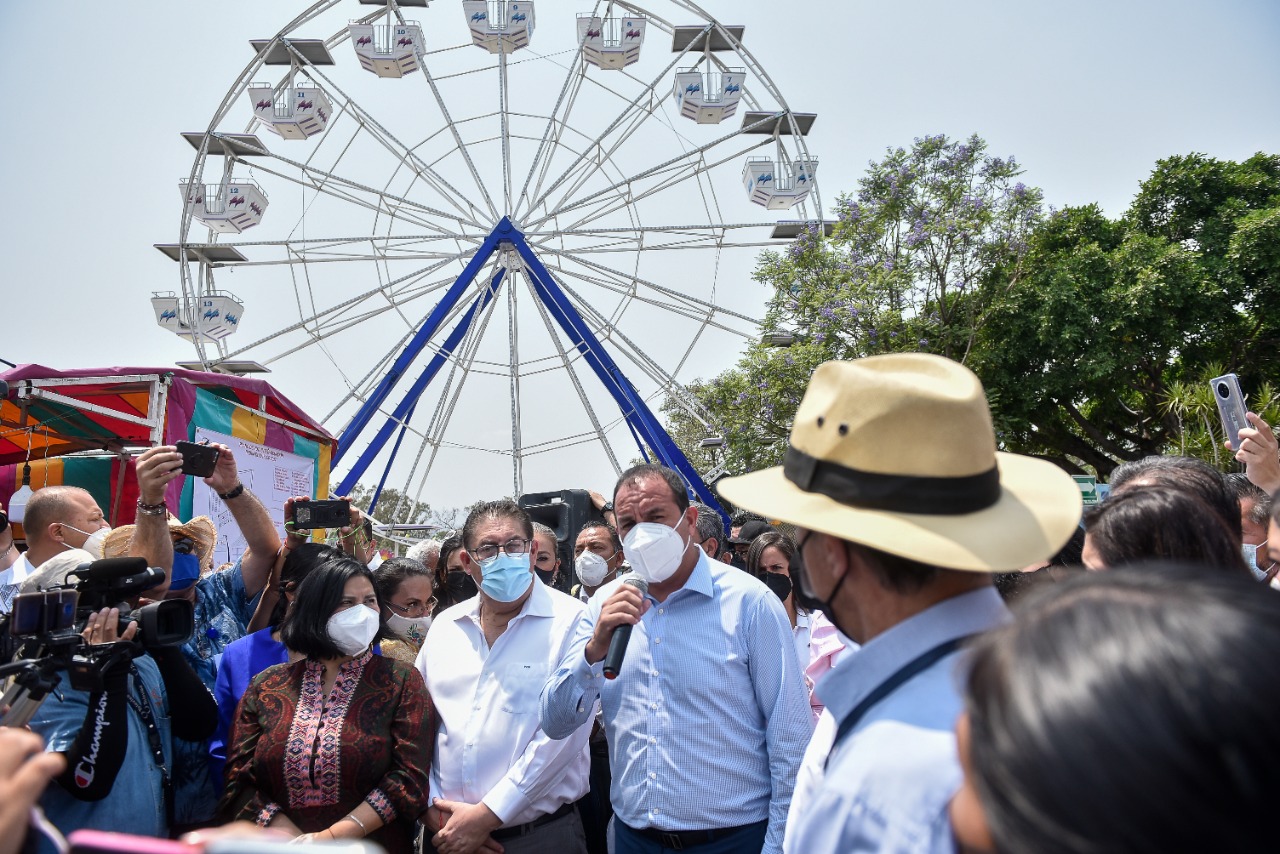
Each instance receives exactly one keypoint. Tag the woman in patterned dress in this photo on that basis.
(337, 745)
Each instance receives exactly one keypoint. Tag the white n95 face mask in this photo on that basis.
(93, 542)
(591, 568)
(354, 629)
(654, 550)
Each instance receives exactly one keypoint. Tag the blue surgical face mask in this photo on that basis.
(186, 571)
(1251, 558)
(504, 577)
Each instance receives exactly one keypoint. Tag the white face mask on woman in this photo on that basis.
(412, 629)
(354, 629)
(655, 550)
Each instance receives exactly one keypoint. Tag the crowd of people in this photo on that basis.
(904, 640)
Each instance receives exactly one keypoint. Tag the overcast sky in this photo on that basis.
(1087, 96)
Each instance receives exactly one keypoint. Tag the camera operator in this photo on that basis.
(224, 601)
(121, 732)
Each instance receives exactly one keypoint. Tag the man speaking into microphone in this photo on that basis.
(708, 717)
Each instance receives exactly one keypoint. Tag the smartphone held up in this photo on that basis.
(1231, 407)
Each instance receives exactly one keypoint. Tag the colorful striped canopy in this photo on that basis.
(108, 410)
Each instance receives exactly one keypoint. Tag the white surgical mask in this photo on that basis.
(412, 629)
(591, 568)
(655, 550)
(93, 545)
(354, 629)
(1251, 558)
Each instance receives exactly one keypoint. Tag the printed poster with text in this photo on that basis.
(272, 475)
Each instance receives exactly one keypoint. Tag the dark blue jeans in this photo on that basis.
(748, 840)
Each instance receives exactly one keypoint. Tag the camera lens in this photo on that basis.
(1223, 391)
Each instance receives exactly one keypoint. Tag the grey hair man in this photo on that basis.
(710, 529)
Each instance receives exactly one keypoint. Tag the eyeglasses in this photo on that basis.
(414, 610)
(513, 546)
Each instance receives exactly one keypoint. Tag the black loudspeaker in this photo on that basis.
(565, 512)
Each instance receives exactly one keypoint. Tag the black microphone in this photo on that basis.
(622, 634)
(106, 570)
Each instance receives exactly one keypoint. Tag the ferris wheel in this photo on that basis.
(486, 240)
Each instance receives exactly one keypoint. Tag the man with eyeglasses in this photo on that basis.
(496, 778)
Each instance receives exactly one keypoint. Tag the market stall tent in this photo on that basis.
(83, 428)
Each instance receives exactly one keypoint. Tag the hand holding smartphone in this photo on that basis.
(198, 458)
(1231, 409)
(308, 515)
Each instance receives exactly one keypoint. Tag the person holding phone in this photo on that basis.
(335, 745)
(224, 599)
(1260, 453)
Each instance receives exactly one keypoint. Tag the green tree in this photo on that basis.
(1094, 337)
(1103, 350)
(933, 237)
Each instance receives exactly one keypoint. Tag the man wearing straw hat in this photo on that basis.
(904, 510)
(224, 602)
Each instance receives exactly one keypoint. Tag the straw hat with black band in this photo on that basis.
(201, 530)
(898, 453)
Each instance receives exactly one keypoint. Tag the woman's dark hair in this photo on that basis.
(298, 564)
(1145, 523)
(391, 574)
(1130, 711)
(448, 549)
(778, 540)
(319, 595)
(1186, 473)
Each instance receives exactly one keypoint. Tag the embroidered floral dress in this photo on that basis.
(316, 760)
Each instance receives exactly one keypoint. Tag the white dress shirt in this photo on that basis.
(490, 747)
(800, 634)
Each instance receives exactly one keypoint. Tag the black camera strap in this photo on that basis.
(140, 702)
(895, 681)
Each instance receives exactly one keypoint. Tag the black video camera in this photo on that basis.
(111, 582)
(44, 630)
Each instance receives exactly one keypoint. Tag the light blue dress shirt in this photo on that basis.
(709, 716)
(887, 785)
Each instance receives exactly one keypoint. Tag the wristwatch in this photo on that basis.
(607, 507)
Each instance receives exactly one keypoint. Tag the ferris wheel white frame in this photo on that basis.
(471, 227)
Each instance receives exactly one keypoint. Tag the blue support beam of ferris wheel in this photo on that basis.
(386, 472)
(636, 412)
(410, 400)
(429, 327)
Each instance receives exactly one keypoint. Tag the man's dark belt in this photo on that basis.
(680, 840)
(522, 829)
